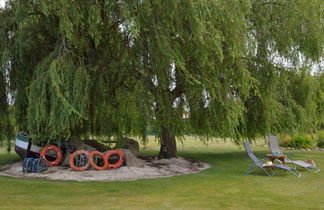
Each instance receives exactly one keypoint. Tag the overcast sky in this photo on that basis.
(2, 3)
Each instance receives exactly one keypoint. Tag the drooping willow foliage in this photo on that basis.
(6, 126)
(5, 122)
(106, 67)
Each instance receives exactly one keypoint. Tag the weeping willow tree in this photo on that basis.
(6, 126)
(286, 37)
(320, 98)
(238, 69)
(5, 122)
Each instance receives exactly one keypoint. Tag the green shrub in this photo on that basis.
(299, 142)
(284, 140)
(320, 139)
(320, 143)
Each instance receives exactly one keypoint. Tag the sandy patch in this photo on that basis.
(152, 168)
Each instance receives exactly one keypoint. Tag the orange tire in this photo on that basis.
(75, 154)
(93, 164)
(118, 152)
(59, 155)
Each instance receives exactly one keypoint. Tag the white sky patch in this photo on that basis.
(172, 77)
(2, 3)
(302, 62)
(155, 80)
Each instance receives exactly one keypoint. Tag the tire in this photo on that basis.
(118, 152)
(59, 155)
(84, 166)
(93, 164)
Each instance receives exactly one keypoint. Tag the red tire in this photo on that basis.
(93, 164)
(118, 152)
(59, 155)
(74, 155)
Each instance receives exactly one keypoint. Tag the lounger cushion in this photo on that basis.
(301, 163)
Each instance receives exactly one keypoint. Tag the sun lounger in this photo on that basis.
(267, 169)
(274, 148)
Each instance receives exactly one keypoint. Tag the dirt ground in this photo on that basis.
(151, 168)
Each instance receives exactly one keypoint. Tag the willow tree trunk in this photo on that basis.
(168, 147)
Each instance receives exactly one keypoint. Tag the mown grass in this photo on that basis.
(224, 186)
(7, 158)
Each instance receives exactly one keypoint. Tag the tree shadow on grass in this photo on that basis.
(234, 163)
(6, 159)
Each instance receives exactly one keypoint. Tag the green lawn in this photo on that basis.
(224, 186)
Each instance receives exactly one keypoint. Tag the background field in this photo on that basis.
(223, 186)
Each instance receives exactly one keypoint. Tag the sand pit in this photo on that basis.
(151, 168)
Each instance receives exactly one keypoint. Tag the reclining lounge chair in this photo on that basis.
(274, 147)
(267, 169)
